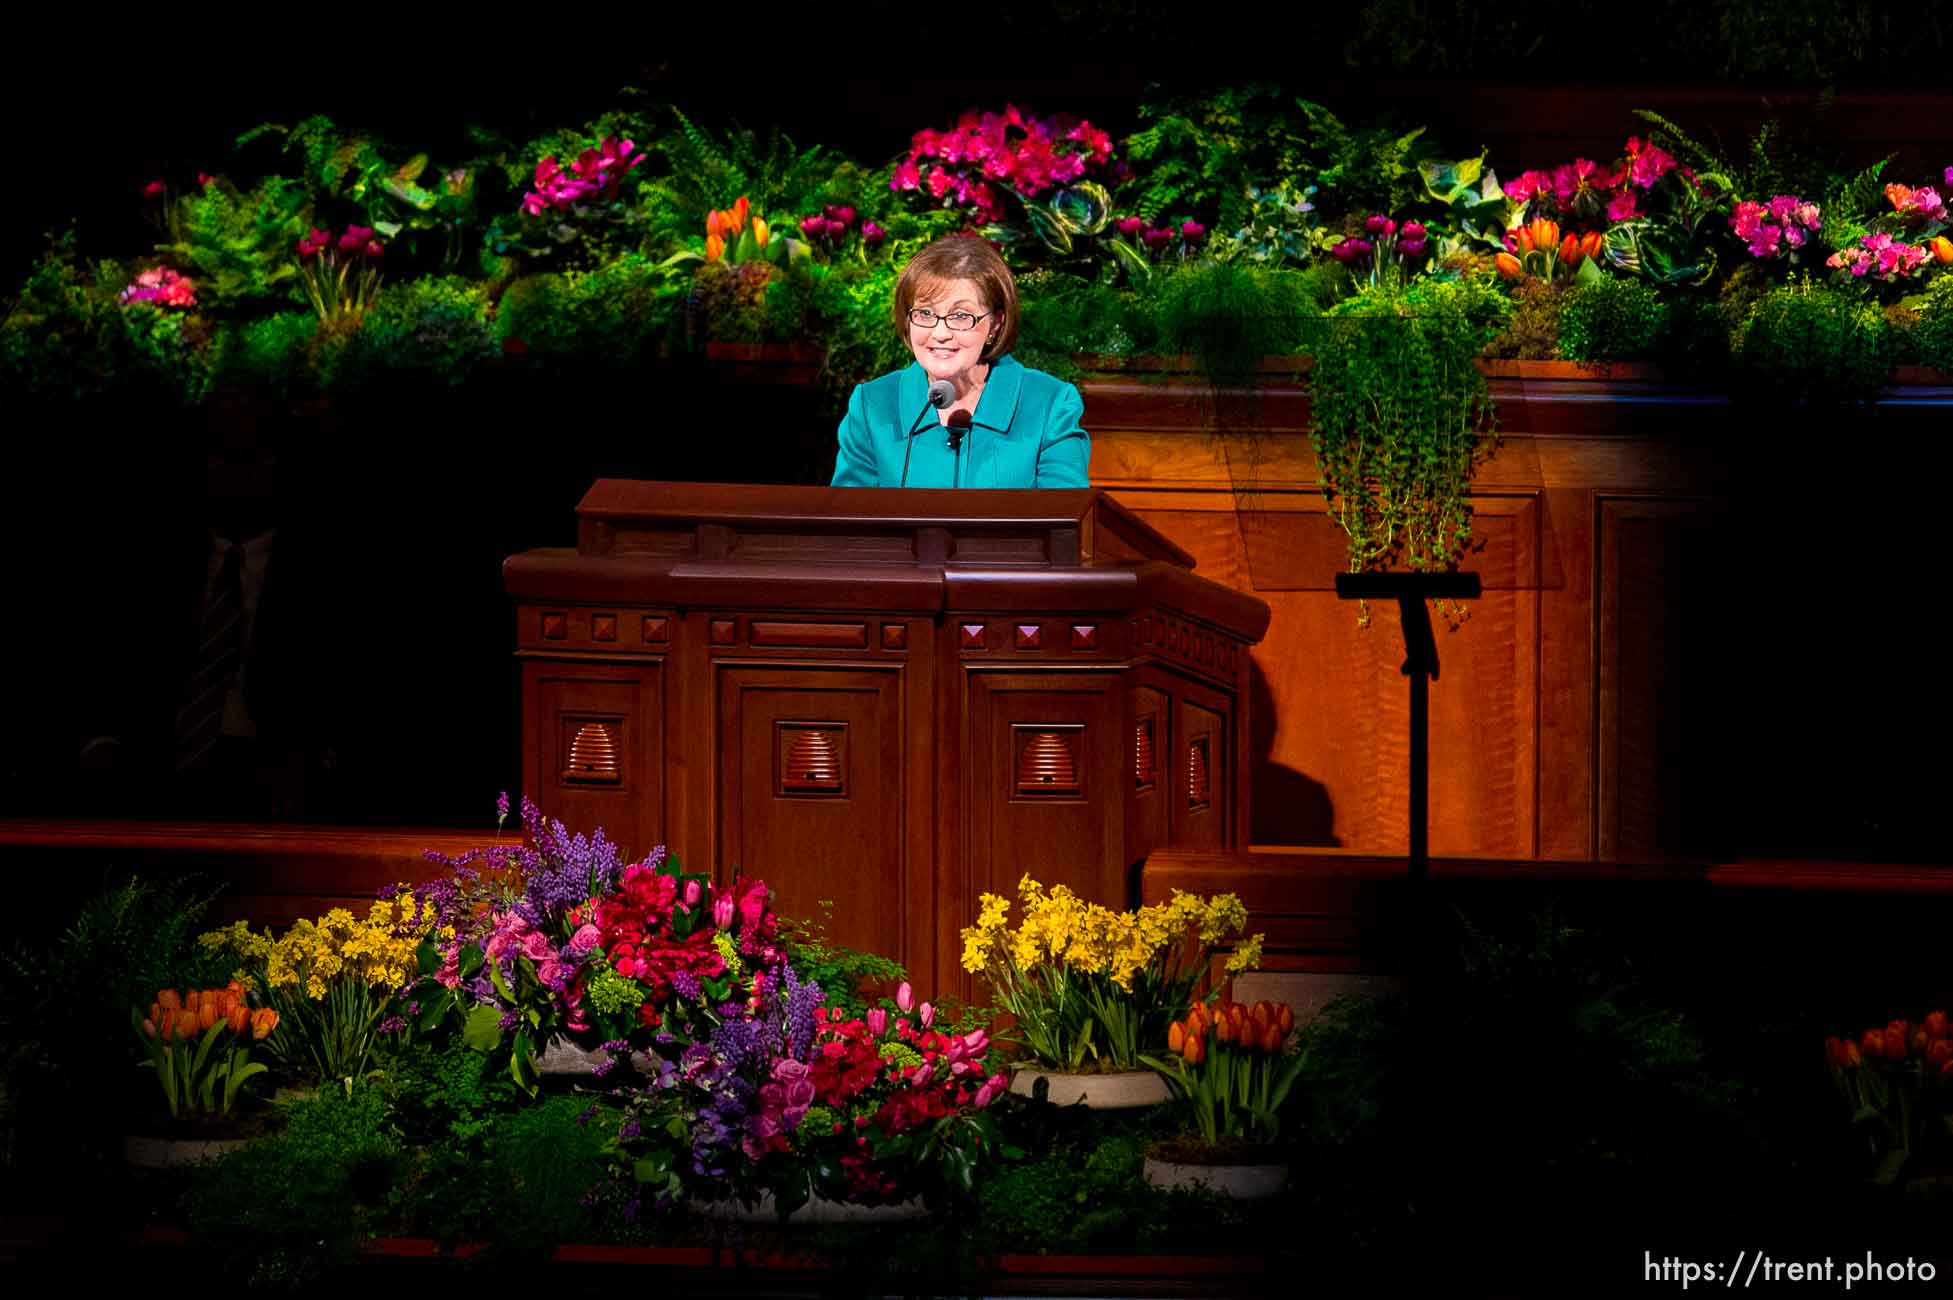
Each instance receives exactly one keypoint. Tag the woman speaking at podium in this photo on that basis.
(966, 414)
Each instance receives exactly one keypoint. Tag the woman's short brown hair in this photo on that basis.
(962, 257)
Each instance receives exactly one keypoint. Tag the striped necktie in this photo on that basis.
(220, 653)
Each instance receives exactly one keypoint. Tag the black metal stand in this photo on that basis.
(1411, 591)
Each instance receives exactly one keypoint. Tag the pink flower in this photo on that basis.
(1192, 231)
(1131, 225)
(204, 178)
(872, 234)
(723, 910)
(1621, 207)
(921, 1076)
(905, 997)
(1411, 248)
(938, 183)
(877, 1020)
(1158, 238)
(985, 1095)
(586, 938)
(691, 893)
(1649, 165)
(536, 946)
(1378, 224)
(355, 239)
(1527, 186)
(905, 177)
(842, 214)
(154, 189)
(926, 1014)
(1412, 230)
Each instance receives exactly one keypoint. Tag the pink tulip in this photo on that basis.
(905, 997)
(877, 1022)
(722, 911)
(691, 893)
(1130, 226)
(984, 1096)
(926, 1014)
(921, 1075)
(1192, 231)
(872, 234)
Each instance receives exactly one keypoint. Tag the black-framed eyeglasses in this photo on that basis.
(956, 320)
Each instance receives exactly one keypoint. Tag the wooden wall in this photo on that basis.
(1595, 703)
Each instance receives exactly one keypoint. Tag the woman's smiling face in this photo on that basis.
(946, 353)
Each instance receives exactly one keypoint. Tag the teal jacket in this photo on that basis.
(1025, 432)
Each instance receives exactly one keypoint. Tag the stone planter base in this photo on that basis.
(563, 1059)
(174, 1153)
(1131, 1090)
(1243, 1182)
(818, 1210)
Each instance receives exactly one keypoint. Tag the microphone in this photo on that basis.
(959, 425)
(941, 394)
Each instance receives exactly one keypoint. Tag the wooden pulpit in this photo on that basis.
(890, 700)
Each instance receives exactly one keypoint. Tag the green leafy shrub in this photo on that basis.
(173, 349)
(435, 329)
(287, 1209)
(1931, 339)
(1064, 314)
(272, 352)
(241, 246)
(1611, 319)
(63, 336)
(1805, 342)
(1533, 332)
(616, 314)
(1230, 316)
(844, 974)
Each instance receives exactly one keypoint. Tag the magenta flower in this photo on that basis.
(1378, 224)
(1528, 186)
(1192, 231)
(1131, 225)
(926, 1013)
(1411, 248)
(842, 214)
(154, 189)
(1412, 230)
(905, 177)
(1621, 207)
(872, 234)
(938, 183)
(355, 239)
(1648, 164)
(1158, 237)
(587, 938)
(877, 1021)
(905, 997)
(204, 178)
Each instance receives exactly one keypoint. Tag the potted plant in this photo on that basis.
(1088, 988)
(1233, 1066)
(1898, 1082)
(198, 1043)
(777, 1105)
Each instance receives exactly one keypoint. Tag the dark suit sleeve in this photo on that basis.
(1064, 448)
(854, 465)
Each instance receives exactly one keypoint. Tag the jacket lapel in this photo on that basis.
(995, 411)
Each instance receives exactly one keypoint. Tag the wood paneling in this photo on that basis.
(627, 700)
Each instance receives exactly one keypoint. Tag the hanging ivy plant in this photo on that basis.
(1402, 419)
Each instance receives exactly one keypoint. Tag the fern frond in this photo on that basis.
(1860, 196)
(1680, 143)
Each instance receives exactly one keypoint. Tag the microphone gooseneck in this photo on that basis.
(941, 394)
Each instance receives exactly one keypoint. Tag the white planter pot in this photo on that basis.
(1243, 1182)
(1130, 1090)
(817, 1210)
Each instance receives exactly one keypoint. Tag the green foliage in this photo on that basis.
(704, 171)
(616, 315)
(1611, 319)
(63, 336)
(1279, 227)
(1931, 340)
(1533, 331)
(285, 1210)
(171, 347)
(853, 309)
(845, 974)
(1808, 343)
(1229, 316)
(1403, 418)
(272, 352)
(1370, 169)
(1199, 154)
(241, 247)
(430, 329)
(1064, 314)
(731, 302)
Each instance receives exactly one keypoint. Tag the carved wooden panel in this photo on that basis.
(596, 757)
(824, 826)
(1663, 787)
(1073, 838)
(1196, 777)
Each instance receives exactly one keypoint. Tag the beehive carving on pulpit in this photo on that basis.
(890, 701)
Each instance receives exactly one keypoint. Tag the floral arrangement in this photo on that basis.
(185, 1036)
(1088, 986)
(1234, 1065)
(340, 275)
(780, 1095)
(162, 287)
(1898, 1082)
(1385, 250)
(556, 937)
(332, 982)
(1539, 249)
(595, 172)
(984, 154)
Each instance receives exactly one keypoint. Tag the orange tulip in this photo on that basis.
(1834, 1055)
(759, 232)
(263, 1021)
(1194, 1051)
(1943, 249)
(168, 999)
(715, 248)
(1940, 1052)
(148, 1027)
(1935, 1023)
(1176, 1037)
(1900, 1028)
(1570, 250)
(239, 1018)
(193, 1000)
(1285, 1018)
(739, 211)
(715, 227)
(1873, 1043)
(1508, 266)
(1223, 1030)
(1852, 1055)
(1264, 1012)
(1590, 244)
(207, 1015)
